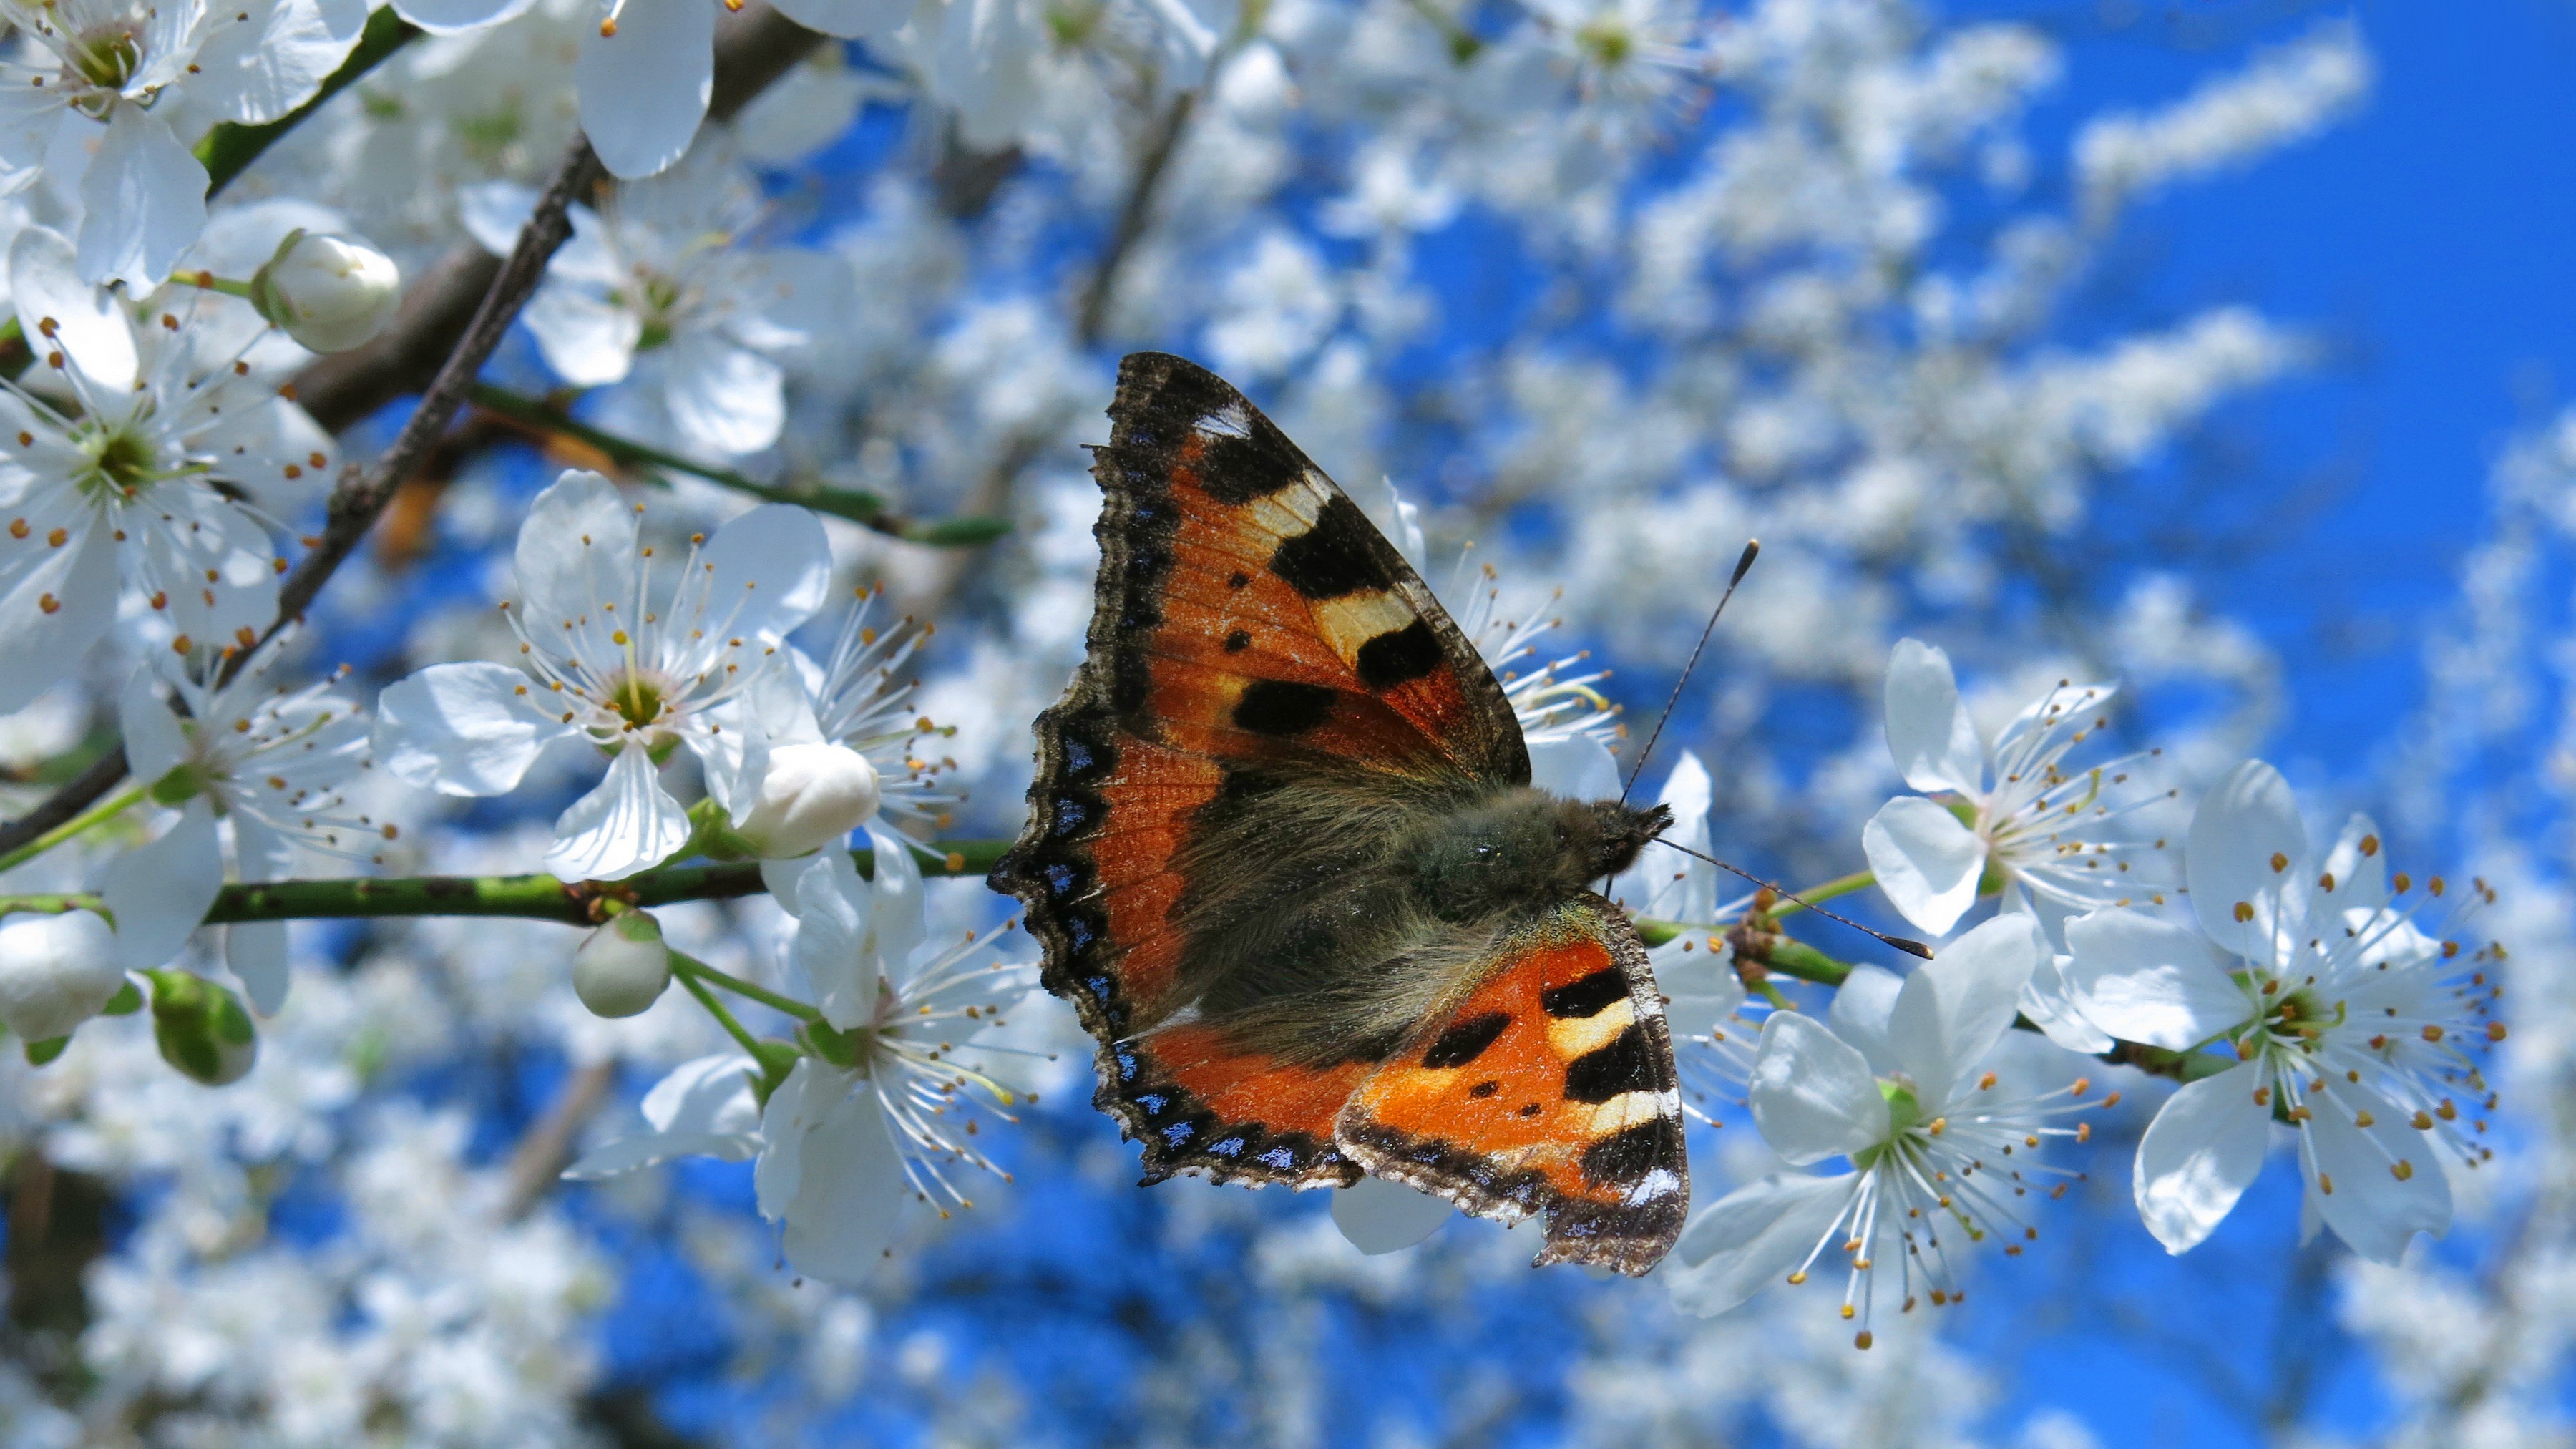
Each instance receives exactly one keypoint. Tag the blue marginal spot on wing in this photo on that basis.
(1060, 878)
(1152, 1102)
(1280, 1158)
(1077, 754)
(1099, 986)
(1070, 815)
(1226, 1147)
(1080, 930)
(1126, 1066)
(1178, 1133)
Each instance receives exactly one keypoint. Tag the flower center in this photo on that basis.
(658, 298)
(107, 58)
(121, 460)
(1608, 42)
(639, 697)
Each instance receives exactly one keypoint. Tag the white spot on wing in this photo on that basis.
(1230, 421)
(1657, 1184)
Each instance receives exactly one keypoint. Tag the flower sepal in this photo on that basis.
(777, 1058)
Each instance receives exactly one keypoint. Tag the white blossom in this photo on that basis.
(614, 660)
(1902, 1087)
(166, 473)
(2345, 1021)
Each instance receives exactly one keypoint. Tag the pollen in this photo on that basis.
(2244, 912)
(49, 604)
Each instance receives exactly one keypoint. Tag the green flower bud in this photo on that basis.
(201, 1028)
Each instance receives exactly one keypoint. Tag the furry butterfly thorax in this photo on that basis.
(1286, 861)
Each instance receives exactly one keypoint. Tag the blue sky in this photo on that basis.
(2425, 242)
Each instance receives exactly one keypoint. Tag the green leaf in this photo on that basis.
(127, 1001)
(41, 1052)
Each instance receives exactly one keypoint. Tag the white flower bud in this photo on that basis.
(811, 796)
(55, 973)
(330, 293)
(623, 967)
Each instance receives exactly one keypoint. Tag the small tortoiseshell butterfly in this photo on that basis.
(1286, 861)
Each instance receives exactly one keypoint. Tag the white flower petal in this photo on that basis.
(849, 1194)
(2046, 1001)
(492, 212)
(256, 70)
(1377, 1216)
(1927, 863)
(1928, 729)
(159, 892)
(793, 1109)
(2148, 980)
(587, 340)
(832, 911)
(2246, 822)
(45, 285)
(449, 17)
(628, 824)
(897, 904)
(256, 950)
(1577, 767)
(707, 1094)
(576, 551)
(1861, 1009)
(724, 400)
(143, 203)
(651, 1149)
(1754, 1236)
(2200, 1154)
(777, 562)
(2371, 1208)
(1812, 1093)
(42, 645)
(29, 117)
(155, 744)
(644, 90)
(1955, 1007)
(2361, 881)
(464, 729)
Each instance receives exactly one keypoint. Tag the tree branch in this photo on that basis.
(537, 897)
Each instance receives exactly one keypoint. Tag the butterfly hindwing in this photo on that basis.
(1250, 622)
(1546, 1086)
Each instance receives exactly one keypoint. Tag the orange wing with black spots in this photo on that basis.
(1547, 1086)
(1248, 617)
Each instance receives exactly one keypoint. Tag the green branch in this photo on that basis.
(525, 897)
(850, 503)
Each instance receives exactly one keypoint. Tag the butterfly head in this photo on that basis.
(1620, 831)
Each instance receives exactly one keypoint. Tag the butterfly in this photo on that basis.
(1286, 863)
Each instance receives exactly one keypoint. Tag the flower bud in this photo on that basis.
(201, 1028)
(811, 796)
(55, 973)
(330, 293)
(623, 967)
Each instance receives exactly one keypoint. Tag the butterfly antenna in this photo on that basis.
(1909, 947)
(1743, 565)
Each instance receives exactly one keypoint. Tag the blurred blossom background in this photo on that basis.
(2219, 348)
